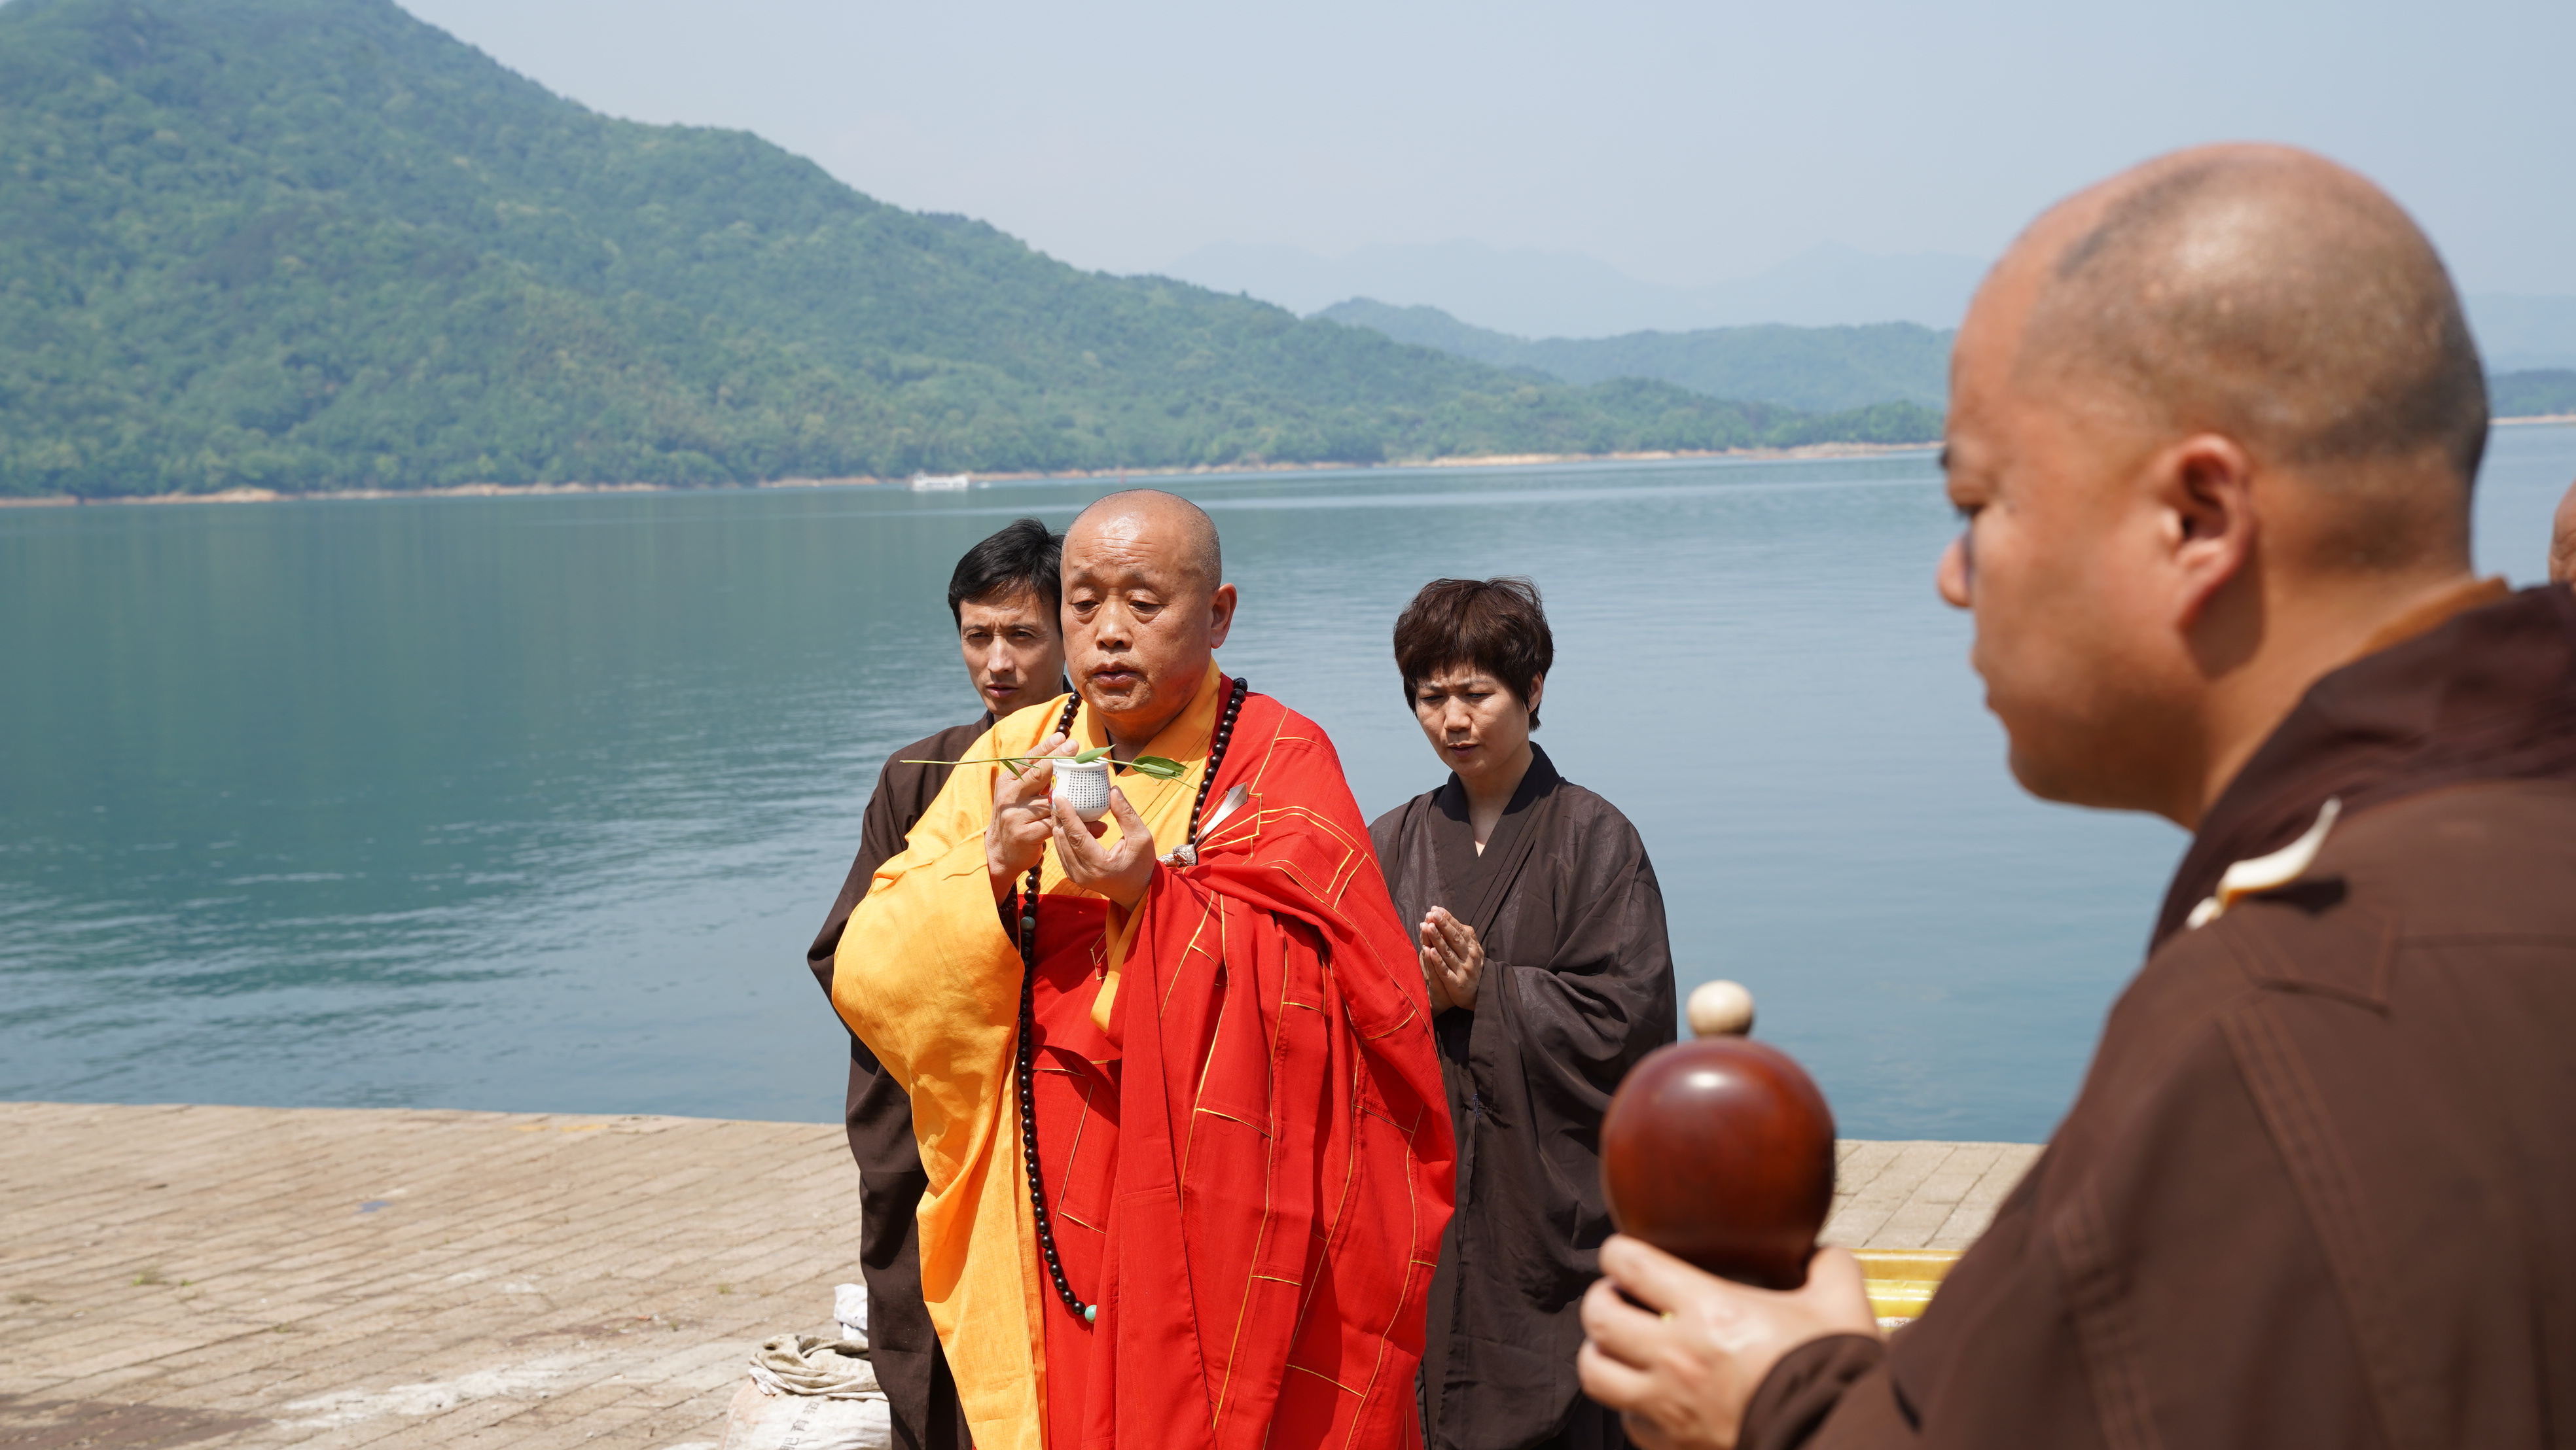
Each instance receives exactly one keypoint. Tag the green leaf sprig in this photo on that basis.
(1153, 766)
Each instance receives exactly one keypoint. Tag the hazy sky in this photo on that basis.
(1681, 142)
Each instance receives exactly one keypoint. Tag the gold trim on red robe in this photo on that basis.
(1247, 1154)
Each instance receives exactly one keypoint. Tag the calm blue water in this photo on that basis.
(533, 803)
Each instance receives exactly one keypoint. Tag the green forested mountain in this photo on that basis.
(316, 243)
(1823, 368)
(2536, 393)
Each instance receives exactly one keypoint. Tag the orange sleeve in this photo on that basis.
(929, 980)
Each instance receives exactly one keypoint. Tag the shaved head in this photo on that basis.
(2213, 422)
(1146, 606)
(1175, 521)
(2272, 296)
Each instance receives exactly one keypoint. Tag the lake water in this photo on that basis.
(533, 803)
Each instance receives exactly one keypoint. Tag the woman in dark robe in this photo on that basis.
(1542, 938)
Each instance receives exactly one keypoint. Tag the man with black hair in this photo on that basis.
(1004, 596)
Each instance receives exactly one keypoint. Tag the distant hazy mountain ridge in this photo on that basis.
(1824, 368)
(1563, 295)
(2524, 334)
(316, 243)
(1558, 294)
(1821, 368)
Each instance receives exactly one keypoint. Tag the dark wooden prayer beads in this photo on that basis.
(1025, 1065)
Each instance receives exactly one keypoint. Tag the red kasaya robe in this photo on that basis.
(1243, 1139)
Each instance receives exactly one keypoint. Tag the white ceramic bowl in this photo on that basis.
(1084, 788)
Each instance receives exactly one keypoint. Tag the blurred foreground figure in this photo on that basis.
(2213, 426)
(2562, 540)
(1542, 936)
(1003, 597)
(1176, 1098)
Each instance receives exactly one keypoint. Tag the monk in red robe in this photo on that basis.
(1179, 1107)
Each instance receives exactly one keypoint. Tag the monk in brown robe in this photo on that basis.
(1003, 597)
(1542, 937)
(2213, 426)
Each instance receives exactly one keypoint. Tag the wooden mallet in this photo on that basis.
(1720, 1151)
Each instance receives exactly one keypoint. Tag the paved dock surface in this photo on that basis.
(389, 1278)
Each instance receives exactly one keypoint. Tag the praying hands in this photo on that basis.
(1453, 961)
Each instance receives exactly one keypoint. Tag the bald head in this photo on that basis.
(1145, 609)
(2213, 425)
(2268, 295)
(1174, 524)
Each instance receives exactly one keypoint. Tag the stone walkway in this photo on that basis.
(1921, 1195)
(255, 1276)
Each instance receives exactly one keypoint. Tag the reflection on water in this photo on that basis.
(533, 803)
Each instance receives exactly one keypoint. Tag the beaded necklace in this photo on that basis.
(1028, 1001)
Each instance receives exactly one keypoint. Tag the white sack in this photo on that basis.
(803, 1364)
(765, 1421)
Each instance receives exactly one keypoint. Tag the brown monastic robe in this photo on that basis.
(2319, 1187)
(902, 1345)
(1578, 985)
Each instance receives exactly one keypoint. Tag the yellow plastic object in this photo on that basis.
(1902, 1281)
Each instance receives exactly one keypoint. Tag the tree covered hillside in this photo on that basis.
(2538, 393)
(317, 243)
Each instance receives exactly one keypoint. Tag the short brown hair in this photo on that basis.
(1495, 625)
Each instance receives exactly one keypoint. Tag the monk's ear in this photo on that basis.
(2203, 489)
(1220, 614)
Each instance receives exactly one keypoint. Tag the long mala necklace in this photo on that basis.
(1090, 1313)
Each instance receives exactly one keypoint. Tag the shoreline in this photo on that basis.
(1490, 460)
(530, 490)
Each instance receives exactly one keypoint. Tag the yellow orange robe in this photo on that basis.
(1244, 1141)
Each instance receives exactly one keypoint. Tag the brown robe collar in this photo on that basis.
(2435, 612)
(2480, 691)
(1477, 882)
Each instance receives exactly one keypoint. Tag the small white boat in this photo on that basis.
(941, 482)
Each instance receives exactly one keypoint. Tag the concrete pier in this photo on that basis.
(388, 1278)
